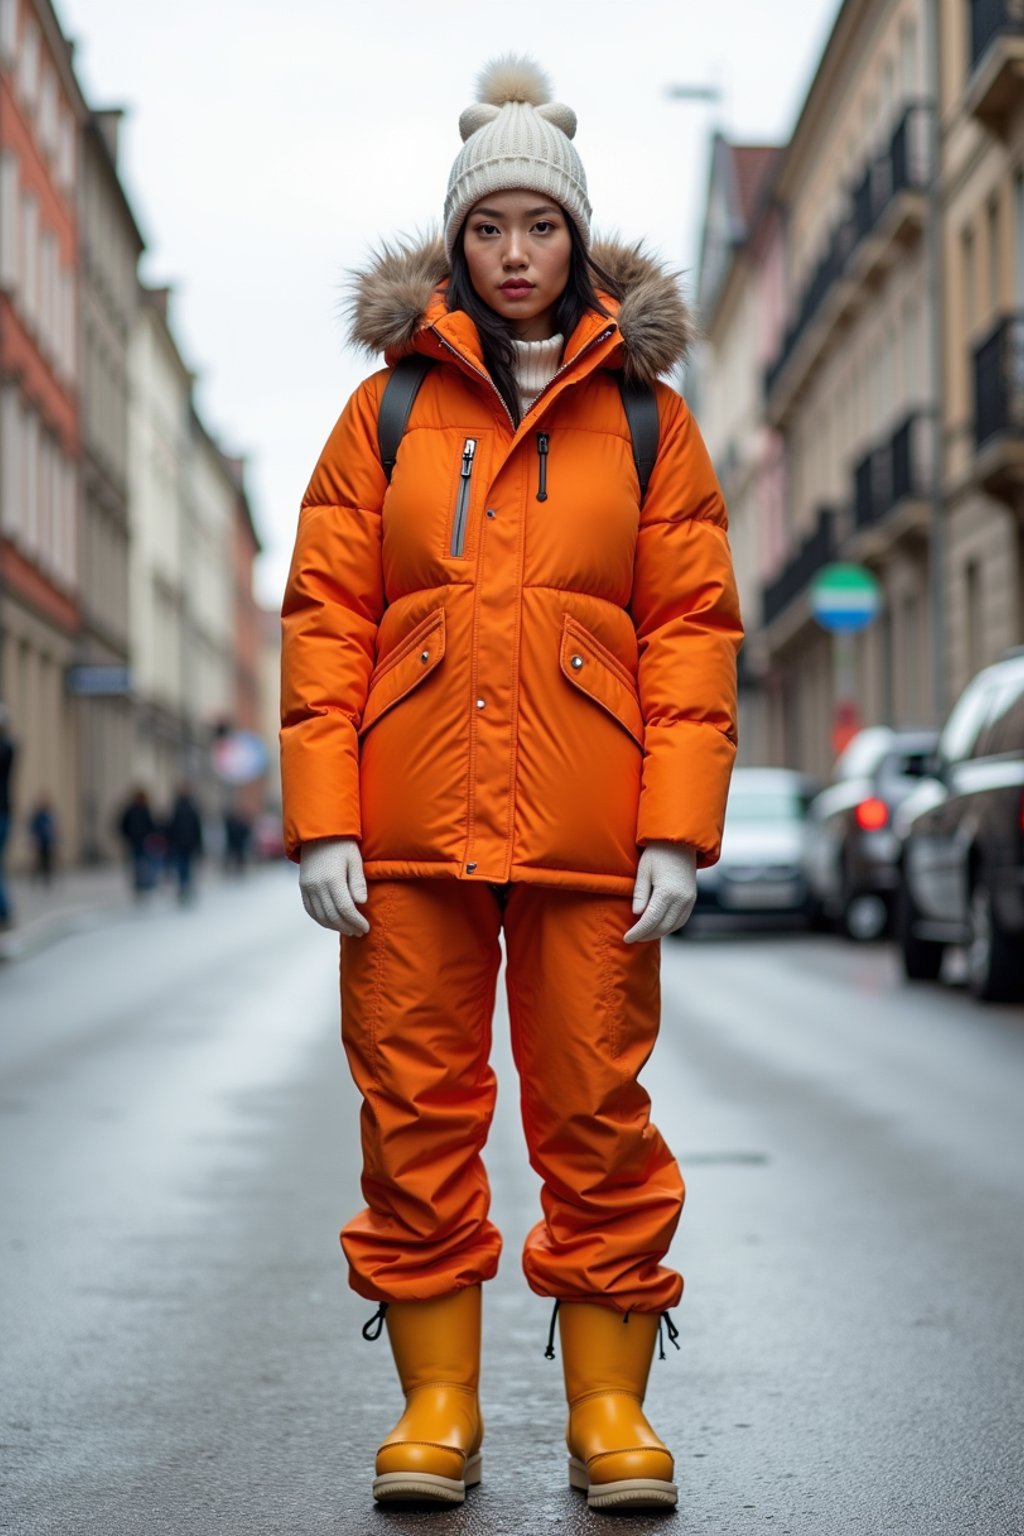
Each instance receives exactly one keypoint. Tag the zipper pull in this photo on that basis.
(542, 477)
(469, 449)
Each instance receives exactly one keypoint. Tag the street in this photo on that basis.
(179, 1145)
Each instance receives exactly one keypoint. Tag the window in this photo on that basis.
(45, 539)
(887, 114)
(961, 729)
(912, 332)
(994, 229)
(30, 256)
(10, 458)
(970, 284)
(910, 625)
(48, 291)
(30, 481)
(66, 151)
(69, 351)
(1018, 240)
(9, 221)
(28, 63)
(908, 60)
(1004, 724)
(8, 29)
(973, 614)
(48, 111)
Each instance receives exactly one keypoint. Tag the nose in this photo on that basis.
(514, 255)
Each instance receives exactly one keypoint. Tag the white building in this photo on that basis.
(159, 439)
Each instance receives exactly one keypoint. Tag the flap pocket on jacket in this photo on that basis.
(596, 672)
(405, 667)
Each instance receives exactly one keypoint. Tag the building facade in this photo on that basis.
(110, 246)
(882, 269)
(41, 115)
(982, 114)
(161, 519)
(247, 711)
(729, 393)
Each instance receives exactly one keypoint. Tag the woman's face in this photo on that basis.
(518, 249)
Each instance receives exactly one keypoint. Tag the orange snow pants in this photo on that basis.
(417, 1000)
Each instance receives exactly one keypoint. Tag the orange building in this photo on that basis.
(41, 116)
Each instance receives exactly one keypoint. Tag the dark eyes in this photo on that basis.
(542, 227)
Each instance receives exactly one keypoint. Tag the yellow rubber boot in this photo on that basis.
(433, 1453)
(614, 1454)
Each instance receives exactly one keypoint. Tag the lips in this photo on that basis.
(517, 287)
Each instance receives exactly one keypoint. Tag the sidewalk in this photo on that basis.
(45, 913)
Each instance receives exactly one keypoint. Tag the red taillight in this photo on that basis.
(872, 815)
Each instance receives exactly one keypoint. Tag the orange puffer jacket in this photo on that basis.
(486, 677)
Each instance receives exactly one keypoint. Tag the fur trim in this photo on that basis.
(658, 327)
(389, 298)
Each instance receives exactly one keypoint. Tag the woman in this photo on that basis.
(509, 702)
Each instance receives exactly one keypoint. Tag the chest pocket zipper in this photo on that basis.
(458, 542)
(542, 471)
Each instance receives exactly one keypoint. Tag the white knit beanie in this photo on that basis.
(516, 136)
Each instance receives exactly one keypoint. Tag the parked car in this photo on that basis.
(962, 836)
(852, 850)
(762, 864)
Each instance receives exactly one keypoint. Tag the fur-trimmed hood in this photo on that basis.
(390, 297)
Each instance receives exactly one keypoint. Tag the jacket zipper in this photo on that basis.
(462, 504)
(542, 471)
(602, 336)
(478, 371)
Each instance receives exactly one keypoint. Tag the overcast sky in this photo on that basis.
(268, 146)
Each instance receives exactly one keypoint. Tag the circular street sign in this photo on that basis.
(239, 757)
(844, 598)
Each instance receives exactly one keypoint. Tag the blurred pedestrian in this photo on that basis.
(7, 755)
(509, 694)
(139, 833)
(42, 829)
(184, 836)
(237, 836)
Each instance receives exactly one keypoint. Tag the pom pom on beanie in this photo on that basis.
(514, 137)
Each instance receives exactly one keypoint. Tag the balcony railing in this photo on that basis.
(989, 19)
(817, 549)
(896, 470)
(999, 381)
(904, 166)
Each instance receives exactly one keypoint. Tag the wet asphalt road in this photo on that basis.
(178, 1148)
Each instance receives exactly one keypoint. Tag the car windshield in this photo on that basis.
(863, 754)
(764, 804)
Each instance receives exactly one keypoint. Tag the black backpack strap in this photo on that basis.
(641, 407)
(396, 402)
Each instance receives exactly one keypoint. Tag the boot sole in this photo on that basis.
(630, 1493)
(428, 1487)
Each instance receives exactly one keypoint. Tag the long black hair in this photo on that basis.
(497, 336)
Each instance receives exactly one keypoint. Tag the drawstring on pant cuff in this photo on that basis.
(670, 1329)
(549, 1353)
(373, 1329)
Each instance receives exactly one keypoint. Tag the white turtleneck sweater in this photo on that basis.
(537, 362)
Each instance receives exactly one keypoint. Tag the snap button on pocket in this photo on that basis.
(424, 655)
(576, 662)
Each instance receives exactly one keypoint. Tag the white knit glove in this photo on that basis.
(331, 880)
(665, 890)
